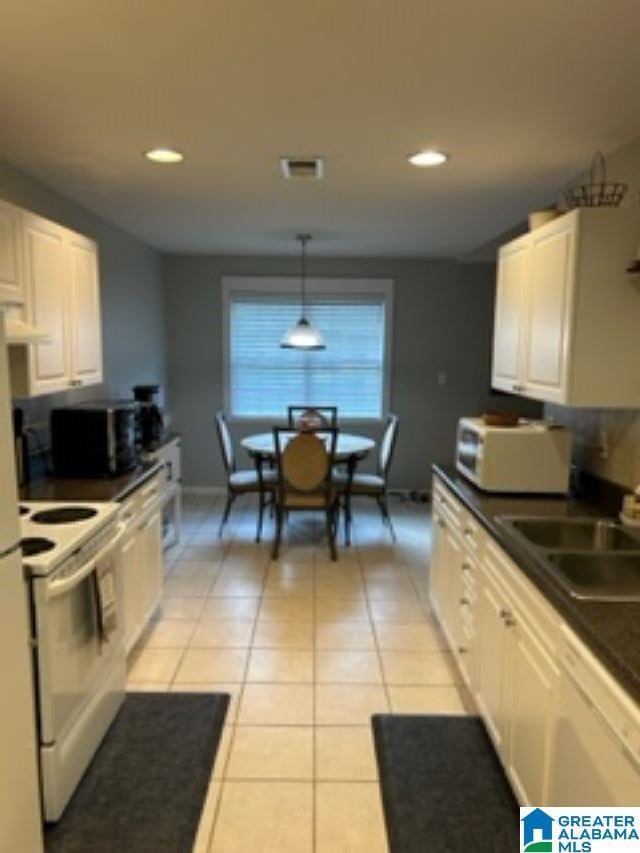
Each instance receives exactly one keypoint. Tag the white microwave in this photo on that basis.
(531, 457)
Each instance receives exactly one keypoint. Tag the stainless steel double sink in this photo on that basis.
(594, 558)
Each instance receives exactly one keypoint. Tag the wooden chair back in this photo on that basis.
(305, 461)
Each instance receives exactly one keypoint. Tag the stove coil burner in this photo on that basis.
(63, 515)
(33, 545)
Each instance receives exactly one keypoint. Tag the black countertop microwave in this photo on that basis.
(95, 439)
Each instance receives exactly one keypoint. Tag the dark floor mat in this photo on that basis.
(146, 786)
(443, 787)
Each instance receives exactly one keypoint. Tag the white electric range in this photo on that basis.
(70, 554)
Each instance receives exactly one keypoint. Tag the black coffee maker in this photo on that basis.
(151, 417)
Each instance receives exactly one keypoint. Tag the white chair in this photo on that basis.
(257, 481)
(371, 485)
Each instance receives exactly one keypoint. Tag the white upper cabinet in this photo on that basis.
(47, 276)
(11, 255)
(549, 311)
(567, 313)
(60, 289)
(510, 315)
(86, 329)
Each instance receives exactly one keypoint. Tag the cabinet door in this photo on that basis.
(492, 645)
(453, 595)
(531, 708)
(548, 335)
(130, 573)
(47, 275)
(11, 255)
(85, 323)
(437, 571)
(510, 316)
(152, 563)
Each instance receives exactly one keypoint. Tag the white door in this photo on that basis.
(533, 685)
(510, 313)
(130, 571)
(11, 255)
(591, 766)
(493, 640)
(47, 271)
(453, 593)
(86, 329)
(550, 293)
(438, 570)
(152, 565)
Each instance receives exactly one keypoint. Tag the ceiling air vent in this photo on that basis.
(302, 168)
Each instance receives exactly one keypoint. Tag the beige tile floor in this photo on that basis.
(308, 650)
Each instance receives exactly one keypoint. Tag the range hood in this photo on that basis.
(19, 331)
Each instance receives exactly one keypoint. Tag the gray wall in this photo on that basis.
(443, 318)
(131, 293)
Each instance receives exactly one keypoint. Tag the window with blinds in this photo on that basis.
(350, 373)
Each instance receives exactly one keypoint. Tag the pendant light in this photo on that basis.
(304, 334)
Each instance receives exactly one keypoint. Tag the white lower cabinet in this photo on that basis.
(141, 562)
(492, 660)
(455, 543)
(565, 731)
(517, 679)
(531, 691)
(596, 757)
(151, 554)
(131, 583)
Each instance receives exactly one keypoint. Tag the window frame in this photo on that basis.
(349, 289)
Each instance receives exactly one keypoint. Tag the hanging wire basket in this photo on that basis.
(598, 192)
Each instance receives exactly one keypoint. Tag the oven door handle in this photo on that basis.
(56, 588)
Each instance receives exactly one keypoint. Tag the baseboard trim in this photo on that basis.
(204, 490)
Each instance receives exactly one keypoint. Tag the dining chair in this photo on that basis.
(305, 479)
(371, 485)
(316, 417)
(257, 481)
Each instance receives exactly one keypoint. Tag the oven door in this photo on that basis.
(79, 634)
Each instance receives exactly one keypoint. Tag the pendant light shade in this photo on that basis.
(304, 334)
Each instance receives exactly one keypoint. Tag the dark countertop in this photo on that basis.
(91, 489)
(610, 629)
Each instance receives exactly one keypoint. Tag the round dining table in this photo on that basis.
(349, 448)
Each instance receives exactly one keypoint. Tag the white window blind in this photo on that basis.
(350, 373)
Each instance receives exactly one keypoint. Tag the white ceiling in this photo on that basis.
(520, 92)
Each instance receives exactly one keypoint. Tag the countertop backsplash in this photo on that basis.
(621, 464)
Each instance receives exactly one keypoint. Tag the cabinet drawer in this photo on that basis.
(445, 502)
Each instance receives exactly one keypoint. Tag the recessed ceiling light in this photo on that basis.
(428, 158)
(164, 155)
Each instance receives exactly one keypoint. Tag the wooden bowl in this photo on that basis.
(501, 419)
